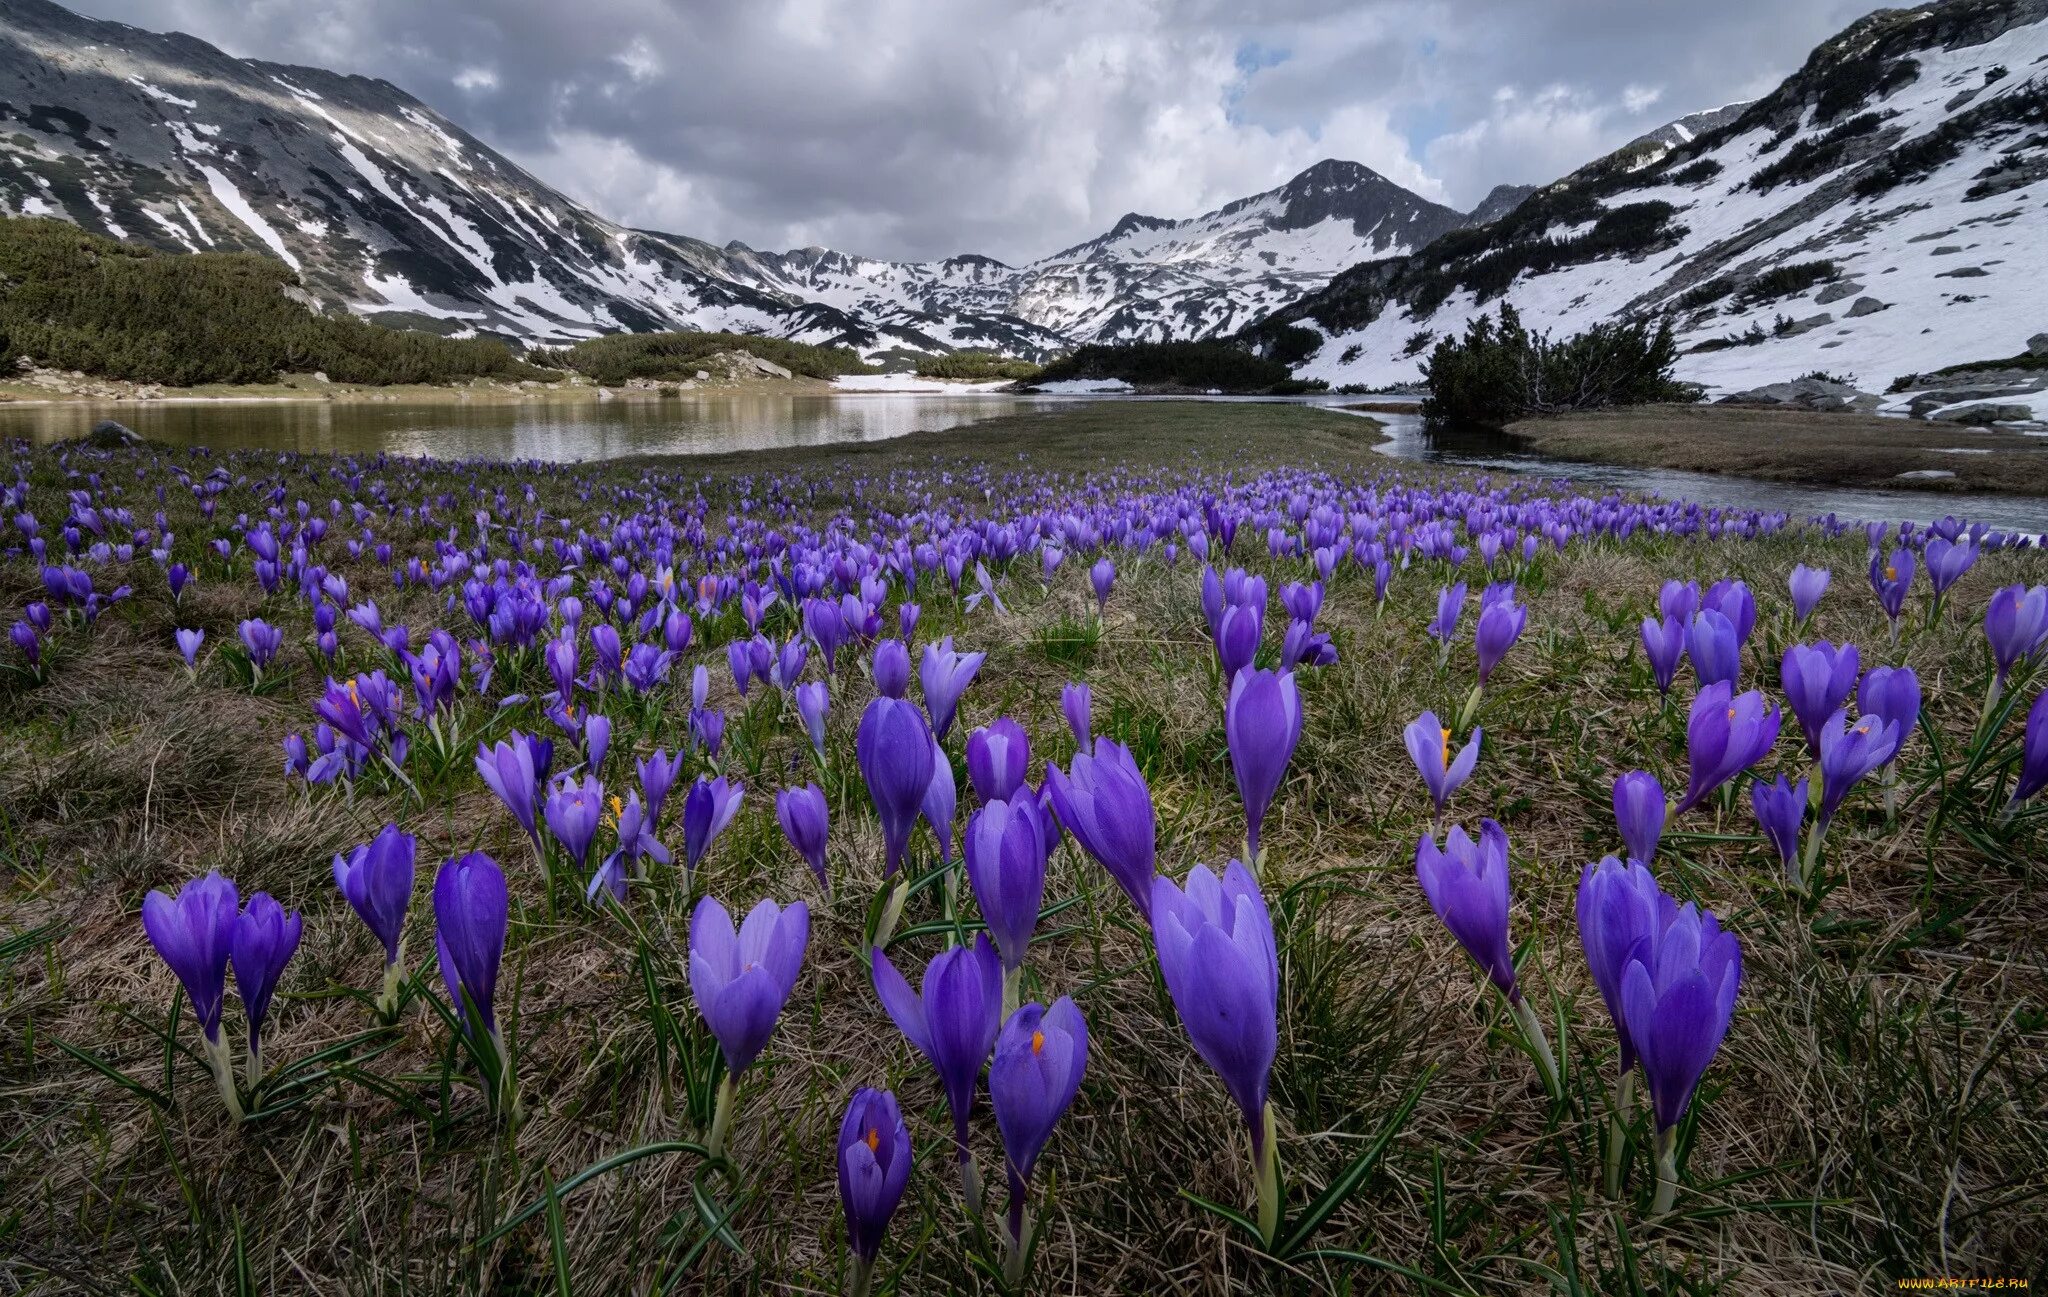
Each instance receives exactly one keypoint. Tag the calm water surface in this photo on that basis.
(711, 423)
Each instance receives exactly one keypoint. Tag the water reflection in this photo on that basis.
(710, 423)
(537, 429)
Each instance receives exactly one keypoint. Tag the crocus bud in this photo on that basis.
(1103, 801)
(1262, 723)
(998, 756)
(1006, 853)
(1467, 885)
(265, 939)
(892, 669)
(894, 748)
(1807, 585)
(1075, 704)
(945, 675)
(804, 818)
(708, 808)
(1639, 809)
(193, 931)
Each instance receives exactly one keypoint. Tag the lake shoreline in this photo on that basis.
(1814, 449)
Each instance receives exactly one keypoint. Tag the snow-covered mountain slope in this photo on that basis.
(389, 209)
(381, 205)
(1884, 211)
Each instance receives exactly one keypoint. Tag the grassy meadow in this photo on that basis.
(1876, 1112)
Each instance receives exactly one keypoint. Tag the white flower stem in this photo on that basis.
(1617, 1131)
(1539, 1046)
(1667, 1171)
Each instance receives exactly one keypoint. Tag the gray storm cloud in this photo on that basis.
(916, 129)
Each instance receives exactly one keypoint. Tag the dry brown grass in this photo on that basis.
(1796, 446)
(1876, 1112)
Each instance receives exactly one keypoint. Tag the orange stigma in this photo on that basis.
(1447, 747)
(1037, 1042)
(874, 1140)
(1891, 573)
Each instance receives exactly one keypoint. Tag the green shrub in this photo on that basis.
(74, 300)
(1696, 173)
(620, 357)
(1499, 371)
(1784, 281)
(1814, 157)
(978, 365)
(1201, 365)
(1293, 344)
(1705, 294)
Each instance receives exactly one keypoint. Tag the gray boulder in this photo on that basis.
(1986, 413)
(1807, 394)
(107, 434)
(1863, 306)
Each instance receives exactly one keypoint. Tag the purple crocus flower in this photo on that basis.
(892, 669)
(1715, 650)
(1639, 810)
(1891, 579)
(2016, 625)
(376, 880)
(1947, 561)
(634, 827)
(945, 676)
(1040, 1057)
(1075, 702)
(1262, 724)
(1429, 746)
(805, 821)
(1467, 885)
(1679, 600)
(560, 657)
(874, 1166)
(1678, 998)
(941, 800)
(193, 932)
(1103, 801)
(1450, 608)
(1818, 678)
(1732, 599)
(742, 979)
(574, 810)
(952, 1021)
(1500, 625)
(646, 667)
(515, 770)
(1780, 813)
(1618, 907)
(188, 646)
(1216, 951)
(1892, 694)
(1102, 577)
(1006, 852)
(1237, 637)
(1848, 753)
(1725, 735)
(471, 915)
(2033, 775)
(1807, 584)
(1664, 646)
(998, 756)
(658, 771)
(812, 701)
(894, 748)
(261, 640)
(707, 808)
(265, 939)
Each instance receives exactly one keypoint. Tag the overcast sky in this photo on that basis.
(920, 128)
